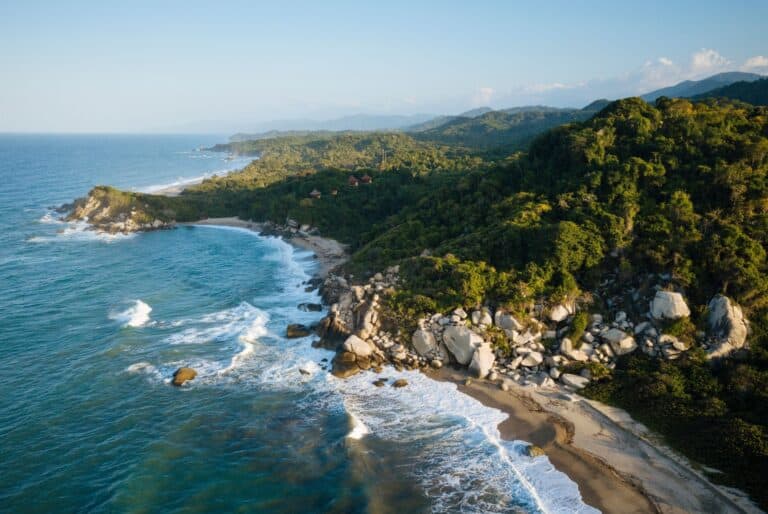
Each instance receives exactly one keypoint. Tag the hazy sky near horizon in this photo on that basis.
(223, 66)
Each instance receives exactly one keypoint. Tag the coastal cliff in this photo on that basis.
(107, 209)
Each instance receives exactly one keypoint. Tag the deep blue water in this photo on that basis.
(92, 328)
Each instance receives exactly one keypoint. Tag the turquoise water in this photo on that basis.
(93, 326)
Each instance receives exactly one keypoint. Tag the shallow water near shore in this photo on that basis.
(93, 327)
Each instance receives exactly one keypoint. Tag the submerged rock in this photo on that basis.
(535, 451)
(400, 382)
(182, 375)
(310, 307)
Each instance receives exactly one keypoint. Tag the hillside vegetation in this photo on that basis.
(678, 189)
(755, 93)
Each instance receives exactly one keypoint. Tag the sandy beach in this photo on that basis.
(617, 468)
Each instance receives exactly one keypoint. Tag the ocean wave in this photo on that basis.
(78, 231)
(464, 464)
(137, 315)
(245, 321)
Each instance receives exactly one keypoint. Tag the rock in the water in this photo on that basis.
(461, 342)
(621, 342)
(727, 324)
(436, 363)
(357, 346)
(295, 330)
(424, 342)
(380, 382)
(482, 360)
(575, 381)
(345, 365)
(310, 307)
(535, 451)
(182, 375)
(400, 382)
(669, 305)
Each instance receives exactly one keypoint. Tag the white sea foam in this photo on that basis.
(137, 315)
(359, 430)
(245, 322)
(79, 231)
(463, 462)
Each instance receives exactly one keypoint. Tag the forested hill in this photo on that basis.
(503, 131)
(678, 190)
(755, 93)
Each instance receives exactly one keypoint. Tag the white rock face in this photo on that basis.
(726, 322)
(669, 305)
(532, 359)
(357, 346)
(621, 342)
(461, 342)
(482, 360)
(506, 321)
(559, 313)
(575, 381)
(424, 342)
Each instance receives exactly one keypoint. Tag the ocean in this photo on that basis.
(92, 327)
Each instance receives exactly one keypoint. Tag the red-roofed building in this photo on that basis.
(353, 181)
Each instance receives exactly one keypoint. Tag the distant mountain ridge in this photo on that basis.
(356, 122)
(691, 88)
(755, 93)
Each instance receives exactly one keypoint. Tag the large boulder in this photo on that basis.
(355, 345)
(345, 365)
(669, 305)
(482, 360)
(559, 312)
(295, 330)
(461, 342)
(621, 342)
(506, 321)
(182, 375)
(532, 359)
(727, 325)
(574, 381)
(424, 342)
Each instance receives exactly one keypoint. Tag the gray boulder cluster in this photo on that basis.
(538, 348)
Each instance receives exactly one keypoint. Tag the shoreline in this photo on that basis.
(328, 252)
(600, 448)
(612, 458)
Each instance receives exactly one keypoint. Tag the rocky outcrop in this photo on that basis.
(461, 343)
(669, 305)
(108, 210)
(182, 375)
(482, 360)
(296, 330)
(424, 342)
(728, 328)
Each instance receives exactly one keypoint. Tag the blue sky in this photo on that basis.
(169, 66)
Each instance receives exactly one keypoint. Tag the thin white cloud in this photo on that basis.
(665, 61)
(707, 60)
(483, 96)
(757, 63)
